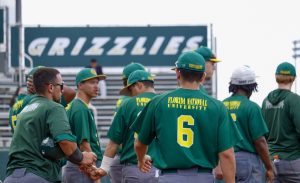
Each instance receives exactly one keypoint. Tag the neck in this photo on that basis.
(46, 95)
(82, 96)
(189, 85)
(285, 86)
(242, 92)
(149, 90)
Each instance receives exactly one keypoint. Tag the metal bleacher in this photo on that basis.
(164, 81)
(105, 107)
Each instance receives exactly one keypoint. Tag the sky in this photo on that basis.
(257, 33)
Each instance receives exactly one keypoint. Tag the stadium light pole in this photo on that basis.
(296, 55)
(21, 40)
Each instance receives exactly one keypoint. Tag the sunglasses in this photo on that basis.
(58, 84)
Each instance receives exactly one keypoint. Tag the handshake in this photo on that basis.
(87, 166)
(92, 171)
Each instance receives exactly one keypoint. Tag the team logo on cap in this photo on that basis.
(194, 66)
(93, 72)
(285, 72)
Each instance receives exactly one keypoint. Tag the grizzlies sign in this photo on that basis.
(112, 46)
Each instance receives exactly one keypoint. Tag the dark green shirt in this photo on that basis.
(41, 118)
(16, 109)
(83, 125)
(120, 101)
(18, 106)
(202, 89)
(190, 128)
(120, 131)
(281, 110)
(249, 120)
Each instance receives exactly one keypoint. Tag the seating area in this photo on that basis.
(105, 107)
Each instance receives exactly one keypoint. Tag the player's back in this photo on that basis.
(188, 122)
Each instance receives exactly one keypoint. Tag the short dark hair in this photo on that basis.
(93, 60)
(42, 77)
(148, 84)
(285, 79)
(124, 81)
(246, 88)
(191, 76)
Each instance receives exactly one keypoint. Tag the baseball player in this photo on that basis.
(281, 112)
(192, 130)
(210, 61)
(82, 122)
(140, 87)
(67, 96)
(41, 118)
(253, 150)
(115, 171)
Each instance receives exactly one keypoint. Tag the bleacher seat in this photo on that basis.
(105, 107)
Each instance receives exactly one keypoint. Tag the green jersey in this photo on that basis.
(281, 111)
(41, 118)
(249, 120)
(83, 125)
(19, 105)
(120, 101)
(16, 109)
(120, 132)
(190, 123)
(202, 89)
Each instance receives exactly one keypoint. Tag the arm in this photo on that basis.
(74, 155)
(85, 146)
(227, 162)
(111, 149)
(144, 161)
(263, 151)
(109, 154)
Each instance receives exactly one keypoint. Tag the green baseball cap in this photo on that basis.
(128, 69)
(32, 71)
(190, 61)
(86, 74)
(207, 54)
(134, 77)
(286, 68)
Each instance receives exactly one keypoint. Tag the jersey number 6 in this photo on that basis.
(185, 136)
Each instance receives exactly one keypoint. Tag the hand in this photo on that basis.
(88, 158)
(92, 171)
(98, 174)
(145, 164)
(269, 176)
(218, 173)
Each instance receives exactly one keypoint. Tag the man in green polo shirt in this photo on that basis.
(67, 95)
(141, 87)
(41, 118)
(115, 171)
(192, 130)
(82, 122)
(253, 150)
(281, 111)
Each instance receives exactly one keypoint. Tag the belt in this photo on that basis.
(128, 164)
(176, 170)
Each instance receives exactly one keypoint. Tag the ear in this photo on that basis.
(50, 88)
(139, 85)
(177, 74)
(203, 77)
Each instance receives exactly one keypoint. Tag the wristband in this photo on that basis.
(76, 157)
(106, 163)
